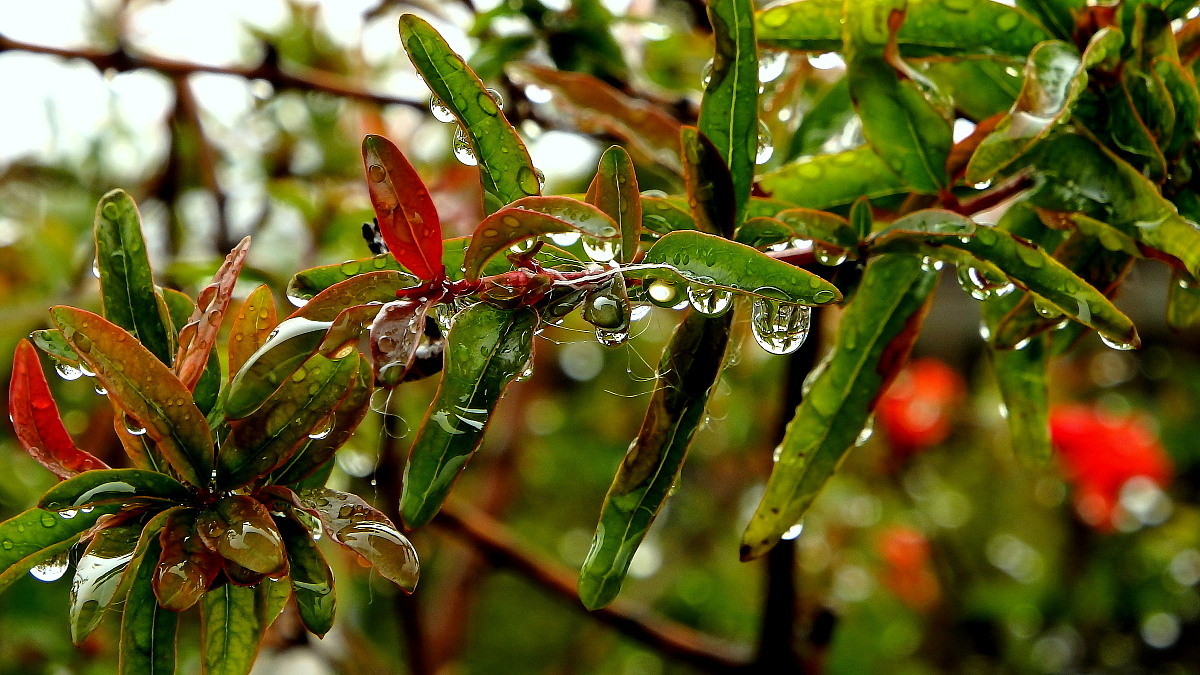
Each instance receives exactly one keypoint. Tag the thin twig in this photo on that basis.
(269, 70)
(685, 644)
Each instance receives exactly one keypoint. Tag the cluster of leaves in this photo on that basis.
(226, 501)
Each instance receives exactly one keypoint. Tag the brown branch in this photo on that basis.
(269, 71)
(501, 548)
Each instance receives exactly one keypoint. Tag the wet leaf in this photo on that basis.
(365, 530)
(599, 107)
(614, 191)
(36, 535)
(251, 325)
(808, 224)
(107, 486)
(361, 289)
(940, 233)
(408, 220)
(532, 217)
(828, 118)
(979, 88)
(1021, 377)
(729, 107)
(1183, 303)
(486, 349)
(144, 389)
(689, 367)
(36, 422)
(186, 567)
(99, 573)
(825, 181)
(506, 171)
(241, 529)
(312, 580)
(269, 437)
(1057, 15)
(147, 644)
(197, 337)
(396, 334)
(231, 629)
(663, 215)
(287, 347)
(126, 280)
(694, 257)
(51, 341)
(345, 418)
(876, 333)
(710, 189)
(933, 27)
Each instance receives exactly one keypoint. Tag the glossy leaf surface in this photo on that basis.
(312, 580)
(710, 190)
(824, 181)
(614, 191)
(408, 220)
(250, 327)
(532, 217)
(324, 441)
(287, 347)
(98, 574)
(147, 630)
(365, 530)
(104, 486)
(186, 566)
(35, 535)
(231, 628)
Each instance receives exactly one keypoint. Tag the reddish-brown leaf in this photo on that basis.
(36, 421)
(196, 339)
(408, 220)
(251, 325)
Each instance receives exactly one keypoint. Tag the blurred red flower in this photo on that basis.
(1100, 453)
(917, 410)
(907, 572)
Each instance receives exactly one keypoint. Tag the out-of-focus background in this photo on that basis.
(933, 549)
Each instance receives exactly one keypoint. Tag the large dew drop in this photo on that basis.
(463, 151)
(52, 569)
(708, 300)
(440, 112)
(766, 145)
(612, 338)
(68, 372)
(599, 250)
(779, 327)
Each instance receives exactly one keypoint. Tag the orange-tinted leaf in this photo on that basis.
(365, 530)
(197, 337)
(251, 326)
(241, 529)
(532, 217)
(186, 567)
(614, 191)
(36, 421)
(408, 220)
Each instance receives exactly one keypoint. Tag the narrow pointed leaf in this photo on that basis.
(241, 529)
(933, 28)
(98, 574)
(144, 389)
(289, 345)
(486, 349)
(231, 629)
(105, 486)
(346, 417)
(36, 535)
(532, 217)
(266, 439)
(186, 567)
(1056, 15)
(793, 224)
(250, 327)
(407, 217)
(614, 191)
(312, 580)
(710, 188)
(148, 631)
(876, 334)
(1021, 377)
(197, 337)
(126, 280)
(51, 341)
(690, 365)
(36, 422)
(825, 181)
(365, 530)
(729, 107)
(361, 289)
(506, 171)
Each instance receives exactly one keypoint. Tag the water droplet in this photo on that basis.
(111, 211)
(101, 390)
(827, 254)
(95, 268)
(973, 282)
(793, 531)
(376, 173)
(67, 514)
(526, 372)
(1116, 344)
(866, 433)
(441, 112)
(132, 426)
(322, 429)
(779, 327)
(463, 151)
(612, 338)
(663, 293)
(930, 264)
(708, 300)
(639, 312)
(564, 238)
(706, 73)
(1046, 310)
(52, 569)
(771, 64)
(68, 372)
(7, 544)
(765, 148)
(599, 250)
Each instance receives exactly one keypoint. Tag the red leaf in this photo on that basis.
(36, 421)
(408, 220)
(197, 337)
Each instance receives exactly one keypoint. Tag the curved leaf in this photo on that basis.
(250, 327)
(186, 567)
(346, 417)
(531, 217)
(877, 330)
(486, 349)
(32, 537)
(506, 171)
(408, 220)
(36, 422)
(287, 347)
(365, 530)
(231, 628)
(933, 27)
(126, 281)
(312, 580)
(241, 529)
(197, 337)
(821, 227)
(148, 631)
(99, 573)
(614, 191)
(710, 190)
(361, 289)
(824, 181)
(106, 486)
(144, 389)
(51, 341)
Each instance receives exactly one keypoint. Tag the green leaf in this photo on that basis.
(346, 417)
(312, 580)
(144, 389)
(1057, 15)
(979, 88)
(148, 631)
(1183, 303)
(614, 191)
(908, 132)
(272, 434)
(688, 369)
(1021, 376)
(365, 530)
(506, 171)
(107, 486)
(663, 215)
(51, 341)
(729, 107)
(98, 574)
(36, 535)
(940, 234)
(290, 345)
(231, 629)
(531, 217)
(825, 181)
(241, 529)
(694, 257)
(876, 332)
(831, 111)
(933, 28)
(486, 349)
(819, 226)
(710, 189)
(126, 280)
